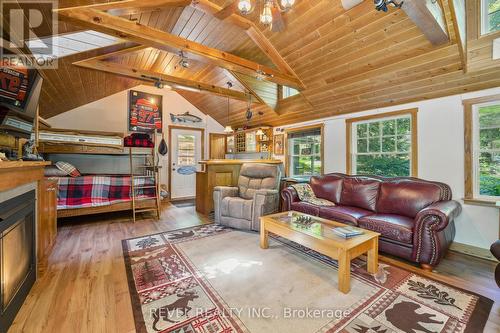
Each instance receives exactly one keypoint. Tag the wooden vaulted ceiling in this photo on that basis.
(348, 61)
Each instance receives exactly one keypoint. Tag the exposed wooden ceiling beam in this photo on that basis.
(144, 4)
(250, 90)
(125, 51)
(459, 18)
(429, 17)
(227, 11)
(148, 36)
(151, 76)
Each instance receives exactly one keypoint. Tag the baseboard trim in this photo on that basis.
(471, 250)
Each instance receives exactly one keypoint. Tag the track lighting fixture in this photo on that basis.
(184, 62)
(381, 5)
(158, 84)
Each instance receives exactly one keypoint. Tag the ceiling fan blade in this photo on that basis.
(225, 12)
(278, 21)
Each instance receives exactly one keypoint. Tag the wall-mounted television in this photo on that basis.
(20, 89)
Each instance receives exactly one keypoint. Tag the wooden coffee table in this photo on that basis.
(320, 237)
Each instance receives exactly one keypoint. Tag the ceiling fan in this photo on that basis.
(270, 11)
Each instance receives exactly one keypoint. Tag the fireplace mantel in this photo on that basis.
(17, 173)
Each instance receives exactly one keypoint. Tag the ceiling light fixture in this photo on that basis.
(266, 17)
(184, 62)
(245, 6)
(249, 112)
(381, 5)
(287, 4)
(228, 128)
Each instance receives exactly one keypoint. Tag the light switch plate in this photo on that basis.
(496, 49)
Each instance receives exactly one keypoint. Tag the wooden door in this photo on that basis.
(186, 151)
(217, 148)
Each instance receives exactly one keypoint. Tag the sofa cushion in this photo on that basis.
(305, 207)
(407, 196)
(237, 207)
(345, 214)
(360, 192)
(396, 227)
(327, 187)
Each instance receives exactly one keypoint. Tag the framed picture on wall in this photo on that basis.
(144, 112)
(279, 142)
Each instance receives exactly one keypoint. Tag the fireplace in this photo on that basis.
(17, 254)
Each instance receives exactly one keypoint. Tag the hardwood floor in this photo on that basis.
(85, 288)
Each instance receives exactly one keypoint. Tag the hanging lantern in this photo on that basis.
(228, 128)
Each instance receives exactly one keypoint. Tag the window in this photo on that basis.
(288, 92)
(186, 150)
(305, 151)
(482, 149)
(383, 145)
(490, 16)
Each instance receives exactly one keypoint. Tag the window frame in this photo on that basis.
(281, 95)
(302, 129)
(412, 113)
(471, 123)
(483, 19)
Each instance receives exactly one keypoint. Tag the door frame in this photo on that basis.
(169, 174)
(210, 136)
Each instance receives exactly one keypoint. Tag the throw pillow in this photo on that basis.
(306, 194)
(68, 168)
(53, 171)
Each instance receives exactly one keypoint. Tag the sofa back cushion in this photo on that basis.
(409, 196)
(360, 192)
(327, 187)
(257, 176)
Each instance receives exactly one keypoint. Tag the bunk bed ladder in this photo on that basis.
(148, 170)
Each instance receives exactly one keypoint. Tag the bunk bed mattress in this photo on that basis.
(99, 190)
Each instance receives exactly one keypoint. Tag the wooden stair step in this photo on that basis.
(145, 210)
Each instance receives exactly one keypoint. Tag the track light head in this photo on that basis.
(158, 84)
(381, 5)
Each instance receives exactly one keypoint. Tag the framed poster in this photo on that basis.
(279, 142)
(144, 112)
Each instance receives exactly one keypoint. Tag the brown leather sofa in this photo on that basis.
(414, 216)
(495, 250)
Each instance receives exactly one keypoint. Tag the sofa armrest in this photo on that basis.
(264, 202)
(434, 231)
(220, 192)
(226, 191)
(289, 195)
(445, 211)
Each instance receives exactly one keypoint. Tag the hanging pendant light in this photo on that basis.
(266, 17)
(287, 4)
(245, 6)
(259, 132)
(228, 128)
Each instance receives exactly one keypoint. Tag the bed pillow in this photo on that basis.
(68, 168)
(53, 171)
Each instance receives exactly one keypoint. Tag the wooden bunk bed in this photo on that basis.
(76, 142)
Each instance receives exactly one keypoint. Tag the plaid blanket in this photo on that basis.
(99, 190)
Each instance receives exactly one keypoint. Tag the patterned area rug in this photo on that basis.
(211, 279)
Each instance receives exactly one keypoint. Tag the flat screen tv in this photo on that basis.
(19, 93)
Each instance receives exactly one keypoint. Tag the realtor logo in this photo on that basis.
(27, 30)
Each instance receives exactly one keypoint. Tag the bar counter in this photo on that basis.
(223, 172)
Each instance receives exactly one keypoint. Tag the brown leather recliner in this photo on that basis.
(414, 216)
